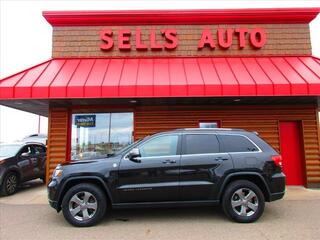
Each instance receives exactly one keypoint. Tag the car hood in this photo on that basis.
(91, 161)
(5, 158)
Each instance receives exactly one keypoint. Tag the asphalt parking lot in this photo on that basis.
(26, 215)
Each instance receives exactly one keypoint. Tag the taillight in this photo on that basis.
(277, 160)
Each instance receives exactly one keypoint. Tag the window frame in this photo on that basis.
(240, 135)
(190, 154)
(93, 110)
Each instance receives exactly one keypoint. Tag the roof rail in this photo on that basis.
(216, 129)
(37, 143)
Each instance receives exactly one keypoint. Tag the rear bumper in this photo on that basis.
(277, 186)
(276, 196)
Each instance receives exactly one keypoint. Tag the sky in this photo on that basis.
(26, 38)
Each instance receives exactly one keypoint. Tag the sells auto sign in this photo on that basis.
(168, 39)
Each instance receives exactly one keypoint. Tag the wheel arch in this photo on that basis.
(255, 178)
(83, 179)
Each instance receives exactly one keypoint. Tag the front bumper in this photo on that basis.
(53, 204)
(53, 194)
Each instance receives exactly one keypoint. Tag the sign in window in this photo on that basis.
(213, 124)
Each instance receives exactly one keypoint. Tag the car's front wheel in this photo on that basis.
(84, 205)
(243, 201)
(9, 184)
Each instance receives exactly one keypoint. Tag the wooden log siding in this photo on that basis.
(57, 139)
(263, 119)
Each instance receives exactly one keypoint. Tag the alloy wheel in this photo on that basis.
(11, 183)
(83, 206)
(244, 202)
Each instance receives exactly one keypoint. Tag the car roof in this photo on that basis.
(22, 143)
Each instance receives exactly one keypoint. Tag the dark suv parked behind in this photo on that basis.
(20, 162)
(231, 167)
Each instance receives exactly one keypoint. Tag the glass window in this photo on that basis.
(160, 146)
(28, 150)
(236, 143)
(209, 124)
(201, 143)
(39, 149)
(96, 135)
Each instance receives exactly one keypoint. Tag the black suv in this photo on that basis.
(20, 162)
(231, 167)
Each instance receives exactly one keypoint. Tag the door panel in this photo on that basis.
(202, 165)
(200, 173)
(292, 152)
(156, 176)
(25, 162)
(153, 179)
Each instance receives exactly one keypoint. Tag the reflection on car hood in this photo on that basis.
(73, 162)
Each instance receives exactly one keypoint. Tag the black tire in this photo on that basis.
(43, 179)
(251, 205)
(10, 184)
(96, 196)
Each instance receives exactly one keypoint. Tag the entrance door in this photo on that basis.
(291, 152)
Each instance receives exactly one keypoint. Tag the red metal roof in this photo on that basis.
(165, 77)
(169, 17)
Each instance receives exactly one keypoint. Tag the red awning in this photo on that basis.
(165, 77)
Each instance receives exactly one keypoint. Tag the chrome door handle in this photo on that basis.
(168, 161)
(221, 159)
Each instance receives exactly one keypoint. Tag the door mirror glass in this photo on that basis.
(134, 154)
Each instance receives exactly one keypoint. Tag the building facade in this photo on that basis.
(118, 76)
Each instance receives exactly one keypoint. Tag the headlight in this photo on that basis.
(57, 172)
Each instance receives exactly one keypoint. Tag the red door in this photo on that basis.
(291, 152)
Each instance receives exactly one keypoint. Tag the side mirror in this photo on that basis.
(134, 154)
(25, 154)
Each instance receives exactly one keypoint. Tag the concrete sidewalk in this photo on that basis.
(26, 215)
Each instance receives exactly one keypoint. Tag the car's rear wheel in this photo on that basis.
(10, 184)
(84, 205)
(243, 201)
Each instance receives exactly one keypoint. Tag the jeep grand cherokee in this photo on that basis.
(231, 167)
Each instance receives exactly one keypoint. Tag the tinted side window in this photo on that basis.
(39, 149)
(160, 146)
(236, 143)
(201, 143)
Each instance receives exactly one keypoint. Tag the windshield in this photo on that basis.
(9, 150)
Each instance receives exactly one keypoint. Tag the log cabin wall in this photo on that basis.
(150, 119)
(57, 150)
(263, 119)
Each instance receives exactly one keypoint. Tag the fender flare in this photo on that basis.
(84, 178)
(227, 178)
